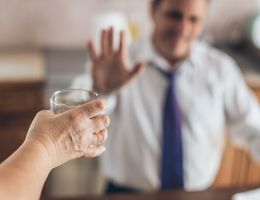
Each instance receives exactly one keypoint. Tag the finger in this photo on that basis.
(88, 110)
(122, 45)
(98, 123)
(100, 137)
(110, 39)
(139, 67)
(104, 43)
(92, 152)
(91, 50)
(94, 108)
(91, 139)
(45, 113)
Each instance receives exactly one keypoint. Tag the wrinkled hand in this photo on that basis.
(110, 70)
(72, 134)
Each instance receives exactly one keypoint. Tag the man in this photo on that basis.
(170, 112)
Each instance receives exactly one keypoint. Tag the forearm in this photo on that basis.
(23, 174)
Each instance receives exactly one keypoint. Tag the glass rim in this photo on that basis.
(69, 90)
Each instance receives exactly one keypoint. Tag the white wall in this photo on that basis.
(67, 24)
(58, 23)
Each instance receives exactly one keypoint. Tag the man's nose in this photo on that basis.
(183, 27)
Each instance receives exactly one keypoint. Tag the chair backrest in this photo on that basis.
(19, 102)
(237, 168)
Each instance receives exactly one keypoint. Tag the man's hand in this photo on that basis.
(110, 71)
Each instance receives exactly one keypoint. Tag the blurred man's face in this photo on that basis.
(177, 23)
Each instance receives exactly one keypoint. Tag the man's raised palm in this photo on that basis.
(110, 70)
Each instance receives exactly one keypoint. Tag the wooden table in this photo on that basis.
(13, 130)
(212, 194)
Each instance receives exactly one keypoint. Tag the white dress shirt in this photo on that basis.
(213, 98)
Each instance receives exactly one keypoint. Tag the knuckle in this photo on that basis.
(99, 123)
(71, 117)
(40, 113)
(76, 120)
(79, 115)
(100, 104)
(102, 122)
(88, 110)
(106, 120)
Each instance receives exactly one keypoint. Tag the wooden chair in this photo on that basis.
(237, 168)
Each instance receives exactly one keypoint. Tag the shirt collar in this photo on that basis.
(152, 56)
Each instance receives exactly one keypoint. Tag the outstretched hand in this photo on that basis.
(78, 132)
(110, 71)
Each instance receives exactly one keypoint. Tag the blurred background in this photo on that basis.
(42, 49)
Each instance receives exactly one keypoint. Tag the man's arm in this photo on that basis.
(242, 110)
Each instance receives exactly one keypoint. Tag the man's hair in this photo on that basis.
(156, 3)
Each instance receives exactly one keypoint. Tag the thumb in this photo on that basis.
(139, 67)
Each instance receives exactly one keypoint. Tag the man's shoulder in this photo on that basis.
(206, 52)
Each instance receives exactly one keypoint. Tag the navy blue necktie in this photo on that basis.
(172, 155)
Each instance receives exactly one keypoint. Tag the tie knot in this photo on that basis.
(170, 76)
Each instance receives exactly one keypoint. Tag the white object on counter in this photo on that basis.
(249, 195)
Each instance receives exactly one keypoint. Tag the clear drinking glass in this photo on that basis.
(64, 100)
(61, 101)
